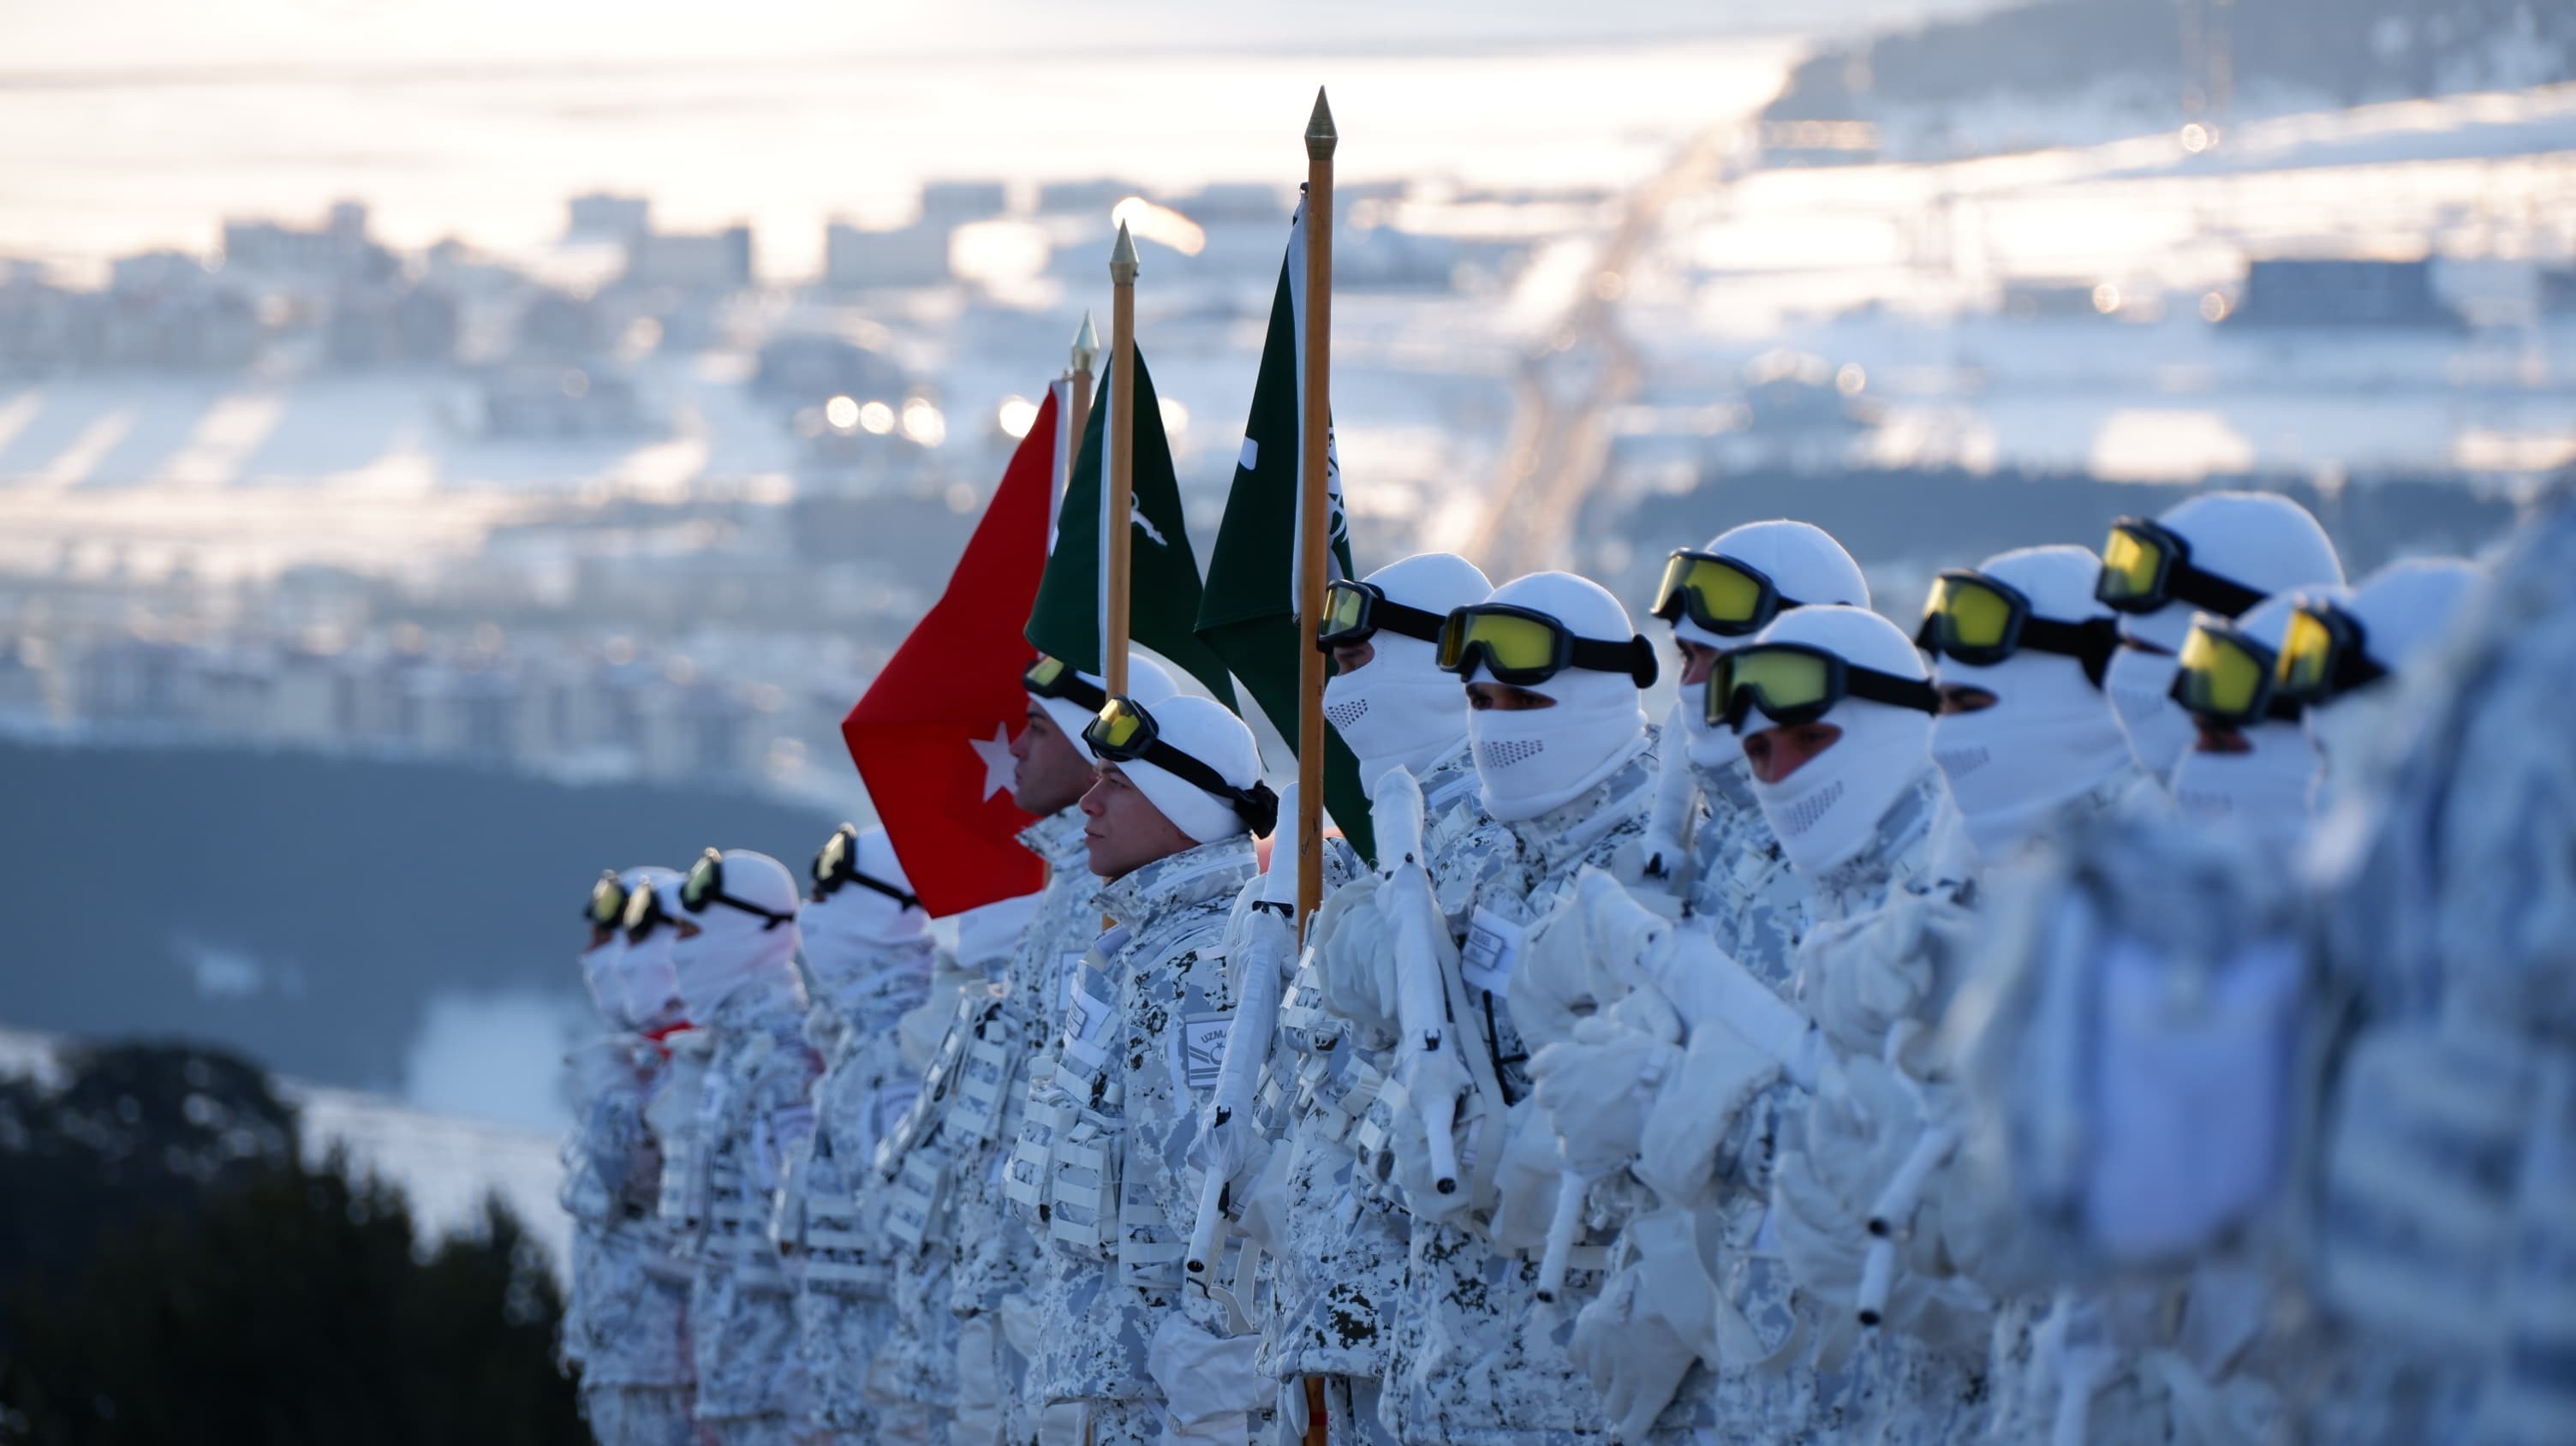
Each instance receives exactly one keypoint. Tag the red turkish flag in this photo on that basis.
(931, 736)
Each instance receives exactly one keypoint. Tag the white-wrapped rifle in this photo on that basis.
(1267, 954)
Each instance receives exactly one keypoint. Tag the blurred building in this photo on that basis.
(338, 250)
(600, 216)
(702, 261)
(2335, 292)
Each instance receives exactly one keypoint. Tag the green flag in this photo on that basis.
(1163, 594)
(1249, 616)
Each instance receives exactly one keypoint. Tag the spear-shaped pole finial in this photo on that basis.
(1122, 258)
(1086, 345)
(1320, 135)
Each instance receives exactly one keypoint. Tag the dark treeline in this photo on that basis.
(172, 1271)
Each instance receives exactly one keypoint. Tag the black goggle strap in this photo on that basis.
(712, 865)
(2091, 642)
(1893, 689)
(2186, 583)
(1257, 805)
(1387, 615)
(869, 881)
(1065, 684)
(2353, 666)
(1635, 657)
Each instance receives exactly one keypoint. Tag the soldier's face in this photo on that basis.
(1697, 660)
(1352, 657)
(1047, 772)
(1775, 753)
(1125, 831)
(1504, 698)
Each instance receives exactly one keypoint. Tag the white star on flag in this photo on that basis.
(996, 753)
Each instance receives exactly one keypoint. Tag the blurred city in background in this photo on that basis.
(444, 452)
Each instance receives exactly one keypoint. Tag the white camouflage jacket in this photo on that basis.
(1475, 1359)
(757, 1097)
(1142, 1039)
(625, 1321)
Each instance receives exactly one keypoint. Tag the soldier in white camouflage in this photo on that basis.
(1835, 709)
(1711, 842)
(2151, 1196)
(735, 959)
(942, 1171)
(1170, 825)
(626, 1318)
(1339, 1262)
(868, 959)
(1564, 761)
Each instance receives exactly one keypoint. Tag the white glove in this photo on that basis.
(1596, 1089)
(1354, 964)
(1208, 1382)
(1696, 1109)
(1525, 1180)
(1859, 1140)
(1555, 984)
(1637, 1339)
(1882, 969)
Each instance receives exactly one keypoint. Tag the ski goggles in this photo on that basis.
(2145, 566)
(1355, 611)
(705, 886)
(2323, 656)
(1726, 597)
(1792, 683)
(606, 908)
(2225, 678)
(836, 864)
(1055, 678)
(1523, 648)
(1123, 732)
(644, 914)
(1981, 621)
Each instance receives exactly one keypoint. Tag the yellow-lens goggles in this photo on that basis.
(2133, 566)
(1511, 644)
(1123, 727)
(1781, 680)
(2223, 676)
(607, 905)
(1346, 608)
(1719, 594)
(1968, 613)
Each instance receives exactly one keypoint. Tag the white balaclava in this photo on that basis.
(2403, 610)
(1204, 730)
(732, 950)
(650, 993)
(858, 941)
(1533, 760)
(1826, 813)
(2254, 539)
(1400, 710)
(2263, 791)
(599, 969)
(1147, 683)
(1805, 563)
(2049, 738)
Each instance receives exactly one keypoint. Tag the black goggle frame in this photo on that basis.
(1769, 602)
(1731, 706)
(1377, 611)
(2176, 579)
(1634, 658)
(2091, 642)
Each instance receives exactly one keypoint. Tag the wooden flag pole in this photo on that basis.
(1314, 521)
(1122, 456)
(1086, 355)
